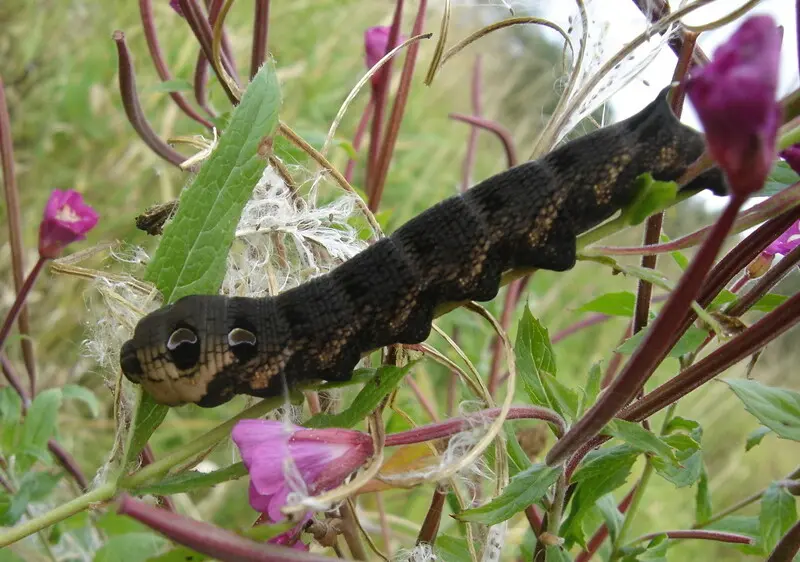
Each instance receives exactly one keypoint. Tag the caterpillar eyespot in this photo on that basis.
(525, 217)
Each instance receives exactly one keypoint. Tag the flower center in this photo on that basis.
(67, 214)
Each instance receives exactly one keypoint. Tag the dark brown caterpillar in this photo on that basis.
(206, 349)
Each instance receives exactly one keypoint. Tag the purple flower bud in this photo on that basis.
(734, 96)
(283, 459)
(175, 5)
(792, 157)
(376, 43)
(66, 219)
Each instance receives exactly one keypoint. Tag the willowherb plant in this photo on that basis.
(265, 211)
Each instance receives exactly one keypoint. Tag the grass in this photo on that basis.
(59, 66)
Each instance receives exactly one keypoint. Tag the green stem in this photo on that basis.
(100, 494)
(639, 493)
(201, 444)
(632, 509)
(557, 507)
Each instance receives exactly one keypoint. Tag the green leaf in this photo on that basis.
(702, 502)
(518, 457)
(614, 304)
(651, 196)
(607, 505)
(591, 389)
(194, 247)
(655, 551)
(534, 357)
(34, 486)
(640, 439)
(524, 489)
(602, 472)
(688, 342)
(781, 177)
(556, 554)
(75, 392)
(755, 437)
(453, 549)
(193, 479)
(10, 414)
(778, 514)
(766, 303)
(39, 427)
(690, 461)
(169, 86)
(132, 547)
(385, 381)
(564, 400)
(776, 408)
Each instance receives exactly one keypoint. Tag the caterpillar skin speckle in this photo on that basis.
(205, 349)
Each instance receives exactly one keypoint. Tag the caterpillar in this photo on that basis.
(205, 349)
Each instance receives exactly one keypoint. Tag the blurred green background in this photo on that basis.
(58, 63)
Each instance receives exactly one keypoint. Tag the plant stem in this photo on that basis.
(11, 317)
(100, 494)
(202, 443)
(634, 507)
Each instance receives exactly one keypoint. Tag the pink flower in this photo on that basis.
(376, 45)
(283, 459)
(66, 219)
(792, 157)
(734, 96)
(786, 242)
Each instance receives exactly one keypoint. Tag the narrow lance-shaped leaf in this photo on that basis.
(524, 489)
(194, 247)
(776, 408)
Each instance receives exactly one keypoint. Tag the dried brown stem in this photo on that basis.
(430, 526)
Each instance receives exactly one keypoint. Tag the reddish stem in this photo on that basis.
(15, 232)
(398, 108)
(150, 35)
(502, 134)
(209, 539)
(430, 526)
(201, 83)
(719, 536)
(380, 92)
(472, 142)
(358, 138)
(456, 425)
(133, 109)
(13, 313)
(260, 35)
(653, 346)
